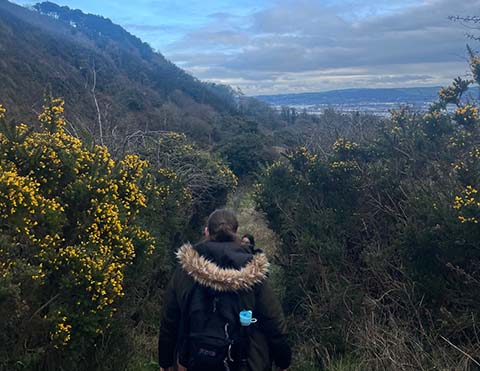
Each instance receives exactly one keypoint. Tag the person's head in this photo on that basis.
(248, 239)
(222, 226)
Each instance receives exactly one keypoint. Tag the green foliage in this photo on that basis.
(243, 145)
(79, 245)
(310, 203)
(380, 239)
(245, 154)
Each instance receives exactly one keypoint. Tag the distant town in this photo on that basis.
(373, 101)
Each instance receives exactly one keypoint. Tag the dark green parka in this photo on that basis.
(227, 266)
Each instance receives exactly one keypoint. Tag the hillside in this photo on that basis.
(84, 58)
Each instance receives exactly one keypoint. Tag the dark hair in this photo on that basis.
(222, 226)
(250, 238)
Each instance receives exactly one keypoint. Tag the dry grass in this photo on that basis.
(252, 221)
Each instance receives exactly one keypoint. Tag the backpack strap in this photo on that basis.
(245, 333)
(184, 327)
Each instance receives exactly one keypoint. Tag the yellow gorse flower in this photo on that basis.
(467, 115)
(468, 205)
(344, 144)
(75, 208)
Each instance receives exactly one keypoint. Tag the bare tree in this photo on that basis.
(99, 114)
(470, 22)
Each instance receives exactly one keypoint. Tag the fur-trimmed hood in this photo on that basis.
(240, 272)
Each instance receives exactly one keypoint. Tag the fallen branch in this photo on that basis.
(461, 351)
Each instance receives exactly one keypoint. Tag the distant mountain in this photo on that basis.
(84, 57)
(355, 96)
(374, 101)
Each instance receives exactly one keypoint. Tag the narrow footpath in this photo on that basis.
(252, 221)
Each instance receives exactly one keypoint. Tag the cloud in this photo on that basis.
(222, 16)
(308, 81)
(270, 48)
(148, 27)
(277, 46)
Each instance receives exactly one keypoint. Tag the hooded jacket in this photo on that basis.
(226, 266)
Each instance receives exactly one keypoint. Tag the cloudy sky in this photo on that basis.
(287, 46)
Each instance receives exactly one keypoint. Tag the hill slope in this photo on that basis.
(86, 58)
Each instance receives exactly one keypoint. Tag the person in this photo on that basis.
(221, 267)
(248, 239)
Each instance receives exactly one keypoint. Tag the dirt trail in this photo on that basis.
(252, 221)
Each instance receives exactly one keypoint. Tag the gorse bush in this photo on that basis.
(380, 239)
(76, 233)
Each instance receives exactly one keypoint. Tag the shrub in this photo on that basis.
(76, 232)
(380, 240)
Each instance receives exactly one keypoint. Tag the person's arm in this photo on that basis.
(167, 339)
(272, 321)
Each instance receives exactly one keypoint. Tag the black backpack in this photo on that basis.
(213, 338)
